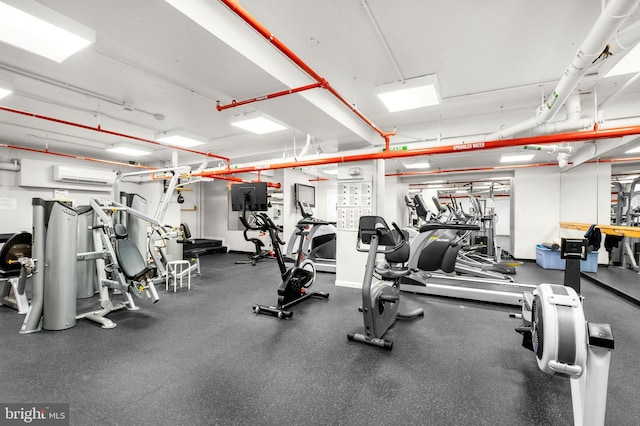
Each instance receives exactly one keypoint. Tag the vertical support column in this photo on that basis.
(357, 196)
(379, 188)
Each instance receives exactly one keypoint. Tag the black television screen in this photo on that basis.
(305, 193)
(253, 196)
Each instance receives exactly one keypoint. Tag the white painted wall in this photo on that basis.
(535, 196)
(543, 197)
(214, 213)
(502, 209)
(586, 197)
(16, 209)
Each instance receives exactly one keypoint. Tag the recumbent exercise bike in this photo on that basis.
(381, 300)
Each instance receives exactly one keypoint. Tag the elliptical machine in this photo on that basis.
(381, 300)
(319, 241)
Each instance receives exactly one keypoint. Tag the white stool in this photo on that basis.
(176, 269)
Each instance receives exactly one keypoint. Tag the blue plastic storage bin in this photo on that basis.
(550, 259)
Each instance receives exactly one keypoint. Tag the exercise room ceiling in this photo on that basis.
(153, 70)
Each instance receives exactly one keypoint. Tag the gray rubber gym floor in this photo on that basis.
(201, 357)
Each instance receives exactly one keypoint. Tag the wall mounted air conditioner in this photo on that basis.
(84, 176)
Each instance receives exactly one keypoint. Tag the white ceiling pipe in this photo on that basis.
(619, 122)
(564, 152)
(551, 148)
(572, 122)
(13, 166)
(305, 149)
(625, 38)
(563, 159)
(383, 40)
(604, 29)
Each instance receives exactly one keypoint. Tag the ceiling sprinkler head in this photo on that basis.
(158, 117)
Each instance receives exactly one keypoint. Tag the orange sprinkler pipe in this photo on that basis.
(275, 185)
(235, 103)
(513, 166)
(471, 169)
(264, 32)
(109, 132)
(447, 149)
(61, 154)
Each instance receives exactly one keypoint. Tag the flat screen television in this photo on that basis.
(305, 193)
(250, 196)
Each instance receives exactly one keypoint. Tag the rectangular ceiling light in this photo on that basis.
(180, 138)
(630, 63)
(33, 27)
(257, 123)
(515, 158)
(423, 165)
(411, 94)
(123, 149)
(633, 150)
(6, 88)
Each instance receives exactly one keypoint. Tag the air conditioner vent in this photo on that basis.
(83, 176)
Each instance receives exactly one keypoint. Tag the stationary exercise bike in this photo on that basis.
(297, 279)
(381, 300)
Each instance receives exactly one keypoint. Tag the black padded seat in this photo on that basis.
(395, 267)
(17, 246)
(188, 249)
(129, 258)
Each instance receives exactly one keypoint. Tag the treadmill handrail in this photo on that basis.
(457, 226)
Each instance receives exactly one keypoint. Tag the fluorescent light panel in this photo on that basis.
(330, 171)
(128, 150)
(5, 88)
(630, 63)
(180, 138)
(31, 26)
(411, 94)
(423, 165)
(515, 158)
(256, 123)
(633, 150)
